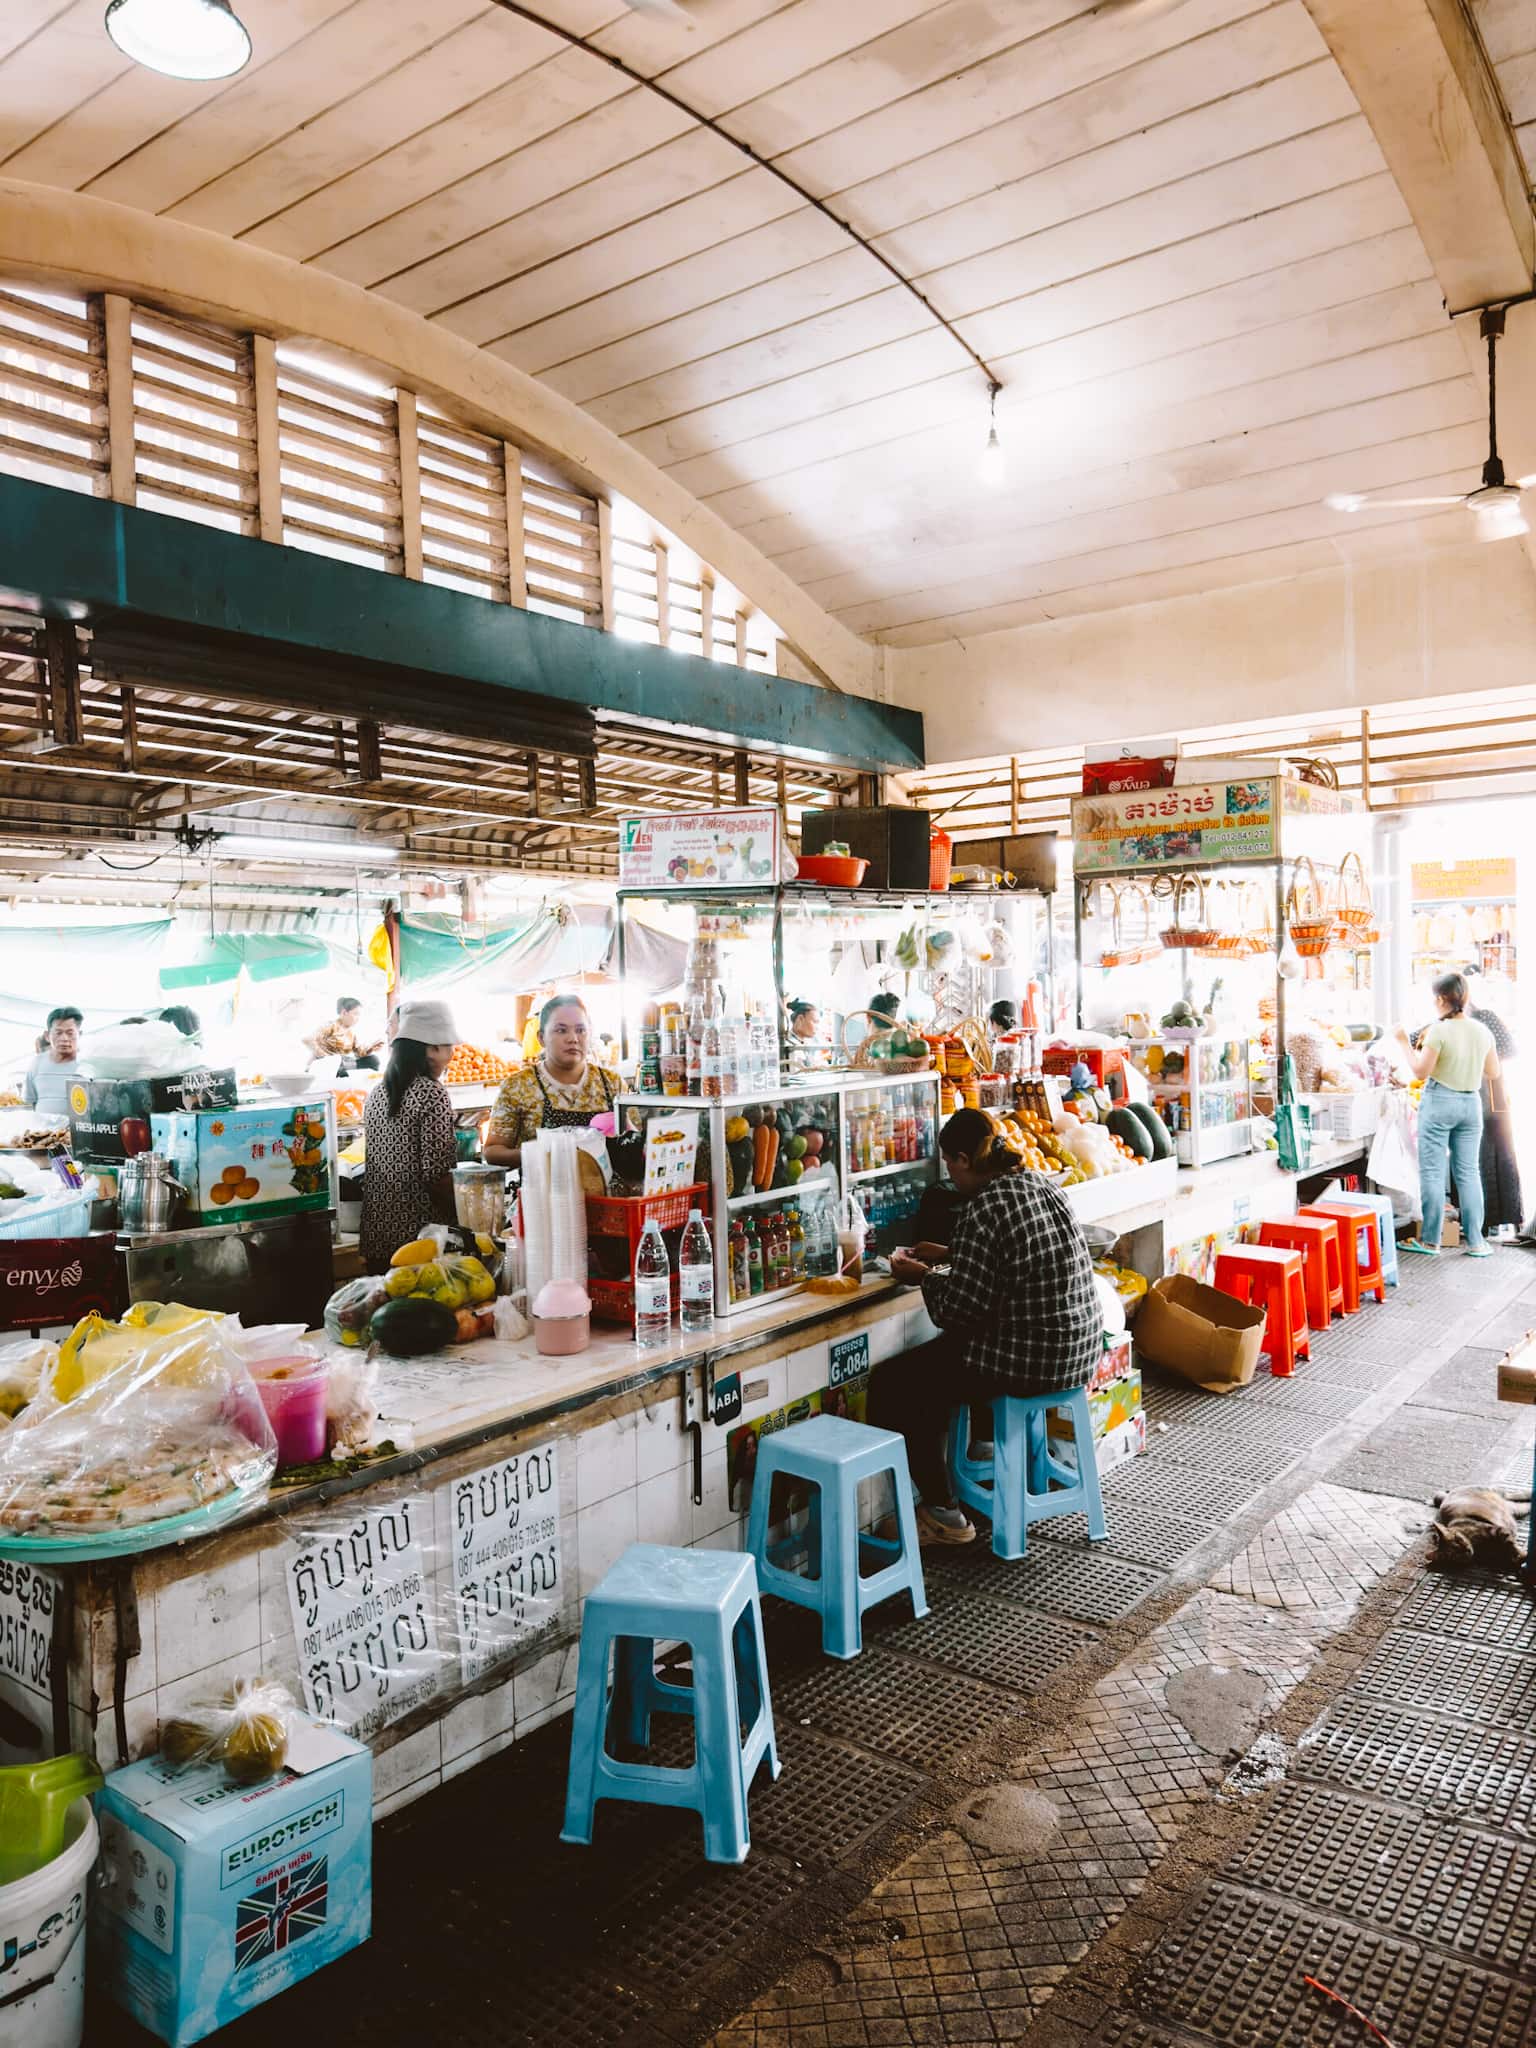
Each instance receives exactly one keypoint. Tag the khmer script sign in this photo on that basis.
(363, 1615)
(507, 1579)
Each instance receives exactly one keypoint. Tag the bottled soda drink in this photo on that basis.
(696, 1273)
(653, 1290)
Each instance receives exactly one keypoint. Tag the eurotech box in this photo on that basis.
(215, 1896)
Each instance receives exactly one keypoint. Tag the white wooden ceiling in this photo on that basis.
(1165, 222)
(1508, 29)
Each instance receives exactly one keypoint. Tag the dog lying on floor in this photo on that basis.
(1475, 1525)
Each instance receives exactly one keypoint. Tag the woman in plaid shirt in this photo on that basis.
(1013, 1294)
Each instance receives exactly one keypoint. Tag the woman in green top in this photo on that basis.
(1455, 1057)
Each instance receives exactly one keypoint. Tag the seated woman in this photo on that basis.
(1014, 1298)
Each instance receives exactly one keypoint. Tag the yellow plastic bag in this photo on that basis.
(153, 1334)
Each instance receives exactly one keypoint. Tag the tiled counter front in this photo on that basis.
(221, 1609)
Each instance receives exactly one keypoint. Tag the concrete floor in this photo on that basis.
(1069, 1805)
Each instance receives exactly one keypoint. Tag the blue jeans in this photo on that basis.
(1450, 1123)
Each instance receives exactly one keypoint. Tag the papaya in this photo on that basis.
(416, 1253)
(1130, 1131)
(412, 1326)
(1155, 1128)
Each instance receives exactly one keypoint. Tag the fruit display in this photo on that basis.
(769, 1145)
(350, 1105)
(473, 1067)
(457, 1289)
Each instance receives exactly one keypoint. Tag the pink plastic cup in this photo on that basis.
(293, 1391)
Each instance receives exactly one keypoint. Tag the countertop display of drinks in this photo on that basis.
(795, 1169)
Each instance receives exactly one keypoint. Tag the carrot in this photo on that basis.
(773, 1156)
(762, 1168)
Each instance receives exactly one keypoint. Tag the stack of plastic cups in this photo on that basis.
(536, 1219)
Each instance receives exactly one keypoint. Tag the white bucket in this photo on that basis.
(42, 1943)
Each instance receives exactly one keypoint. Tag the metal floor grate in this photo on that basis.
(830, 1799)
(1246, 1451)
(690, 1921)
(1457, 1889)
(1231, 1967)
(997, 1640)
(923, 1717)
(1179, 1489)
(1429, 1673)
(1082, 1585)
(1144, 1535)
(1474, 1606)
(1486, 1775)
(1308, 1395)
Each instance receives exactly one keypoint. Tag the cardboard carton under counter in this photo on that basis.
(110, 1120)
(269, 1159)
(215, 1896)
(1200, 1333)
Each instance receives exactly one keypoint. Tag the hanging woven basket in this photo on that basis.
(1355, 911)
(1309, 917)
(1190, 930)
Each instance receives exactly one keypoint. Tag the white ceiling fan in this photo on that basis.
(1495, 503)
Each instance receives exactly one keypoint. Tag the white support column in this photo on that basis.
(663, 594)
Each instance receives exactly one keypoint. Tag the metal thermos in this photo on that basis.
(147, 1195)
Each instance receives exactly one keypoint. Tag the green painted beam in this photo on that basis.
(66, 555)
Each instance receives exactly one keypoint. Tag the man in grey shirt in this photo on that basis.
(47, 1082)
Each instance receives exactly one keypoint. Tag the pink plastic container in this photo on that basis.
(293, 1391)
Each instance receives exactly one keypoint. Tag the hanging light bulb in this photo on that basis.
(181, 38)
(992, 466)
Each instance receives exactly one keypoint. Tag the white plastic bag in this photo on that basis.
(1394, 1160)
(142, 1052)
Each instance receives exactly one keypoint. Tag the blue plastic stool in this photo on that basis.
(1386, 1228)
(707, 1599)
(832, 1456)
(1021, 1482)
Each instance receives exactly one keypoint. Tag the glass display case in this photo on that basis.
(781, 1159)
(1201, 1087)
(807, 962)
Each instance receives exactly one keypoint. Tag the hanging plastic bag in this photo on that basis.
(1293, 1133)
(1394, 1158)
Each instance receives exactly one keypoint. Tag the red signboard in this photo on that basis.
(45, 1280)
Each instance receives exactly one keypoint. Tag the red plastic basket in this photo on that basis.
(613, 1301)
(627, 1215)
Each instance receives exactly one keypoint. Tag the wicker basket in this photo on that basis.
(1125, 950)
(1309, 917)
(861, 1059)
(1354, 910)
(1191, 934)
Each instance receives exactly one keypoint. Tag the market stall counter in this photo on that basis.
(429, 1598)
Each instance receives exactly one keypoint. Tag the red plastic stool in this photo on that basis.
(1269, 1276)
(1365, 1271)
(1317, 1239)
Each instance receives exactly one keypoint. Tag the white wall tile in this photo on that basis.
(455, 1766)
(472, 1722)
(715, 1511)
(406, 1796)
(604, 1533)
(664, 1508)
(661, 1441)
(605, 1460)
(208, 1684)
(100, 1740)
(887, 1338)
(545, 1686)
(207, 1616)
(805, 1371)
(97, 1652)
(407, 1763)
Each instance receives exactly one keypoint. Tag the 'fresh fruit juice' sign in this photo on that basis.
(700, 850)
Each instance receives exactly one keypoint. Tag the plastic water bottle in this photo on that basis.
(653, 1290)
(696, 1269)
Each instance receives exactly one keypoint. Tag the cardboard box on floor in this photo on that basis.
(1200, 1333)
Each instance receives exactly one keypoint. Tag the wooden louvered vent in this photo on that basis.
(339, 450)
(53, 386)
(194, 420)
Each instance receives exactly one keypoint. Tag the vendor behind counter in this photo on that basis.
(408, 1136)
(563, 1089)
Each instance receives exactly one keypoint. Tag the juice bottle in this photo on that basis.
(740, 1266)
(757, 1279)
(796, 1231)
